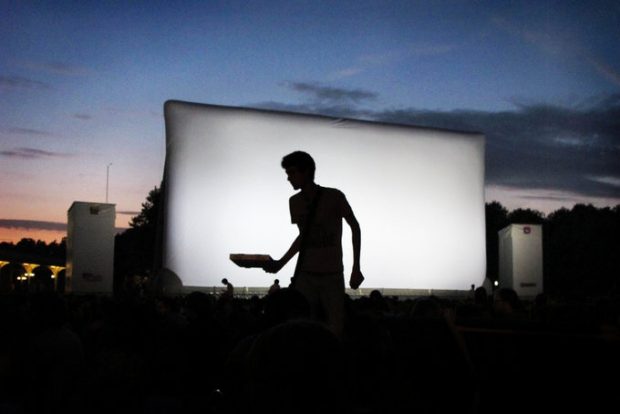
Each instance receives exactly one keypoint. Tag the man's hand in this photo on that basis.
(273, 266)
(356, 279)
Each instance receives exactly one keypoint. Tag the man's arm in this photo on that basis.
(276, 265)
(356, 274)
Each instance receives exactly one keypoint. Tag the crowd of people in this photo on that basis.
(204, 353)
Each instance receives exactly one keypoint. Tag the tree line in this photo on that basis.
(581, 245)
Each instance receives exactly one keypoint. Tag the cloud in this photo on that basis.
(544, 41)
(603, 68)
(32, 225)
(55, 68)
(347, 72)
(369, 61)
(17, 83)
(552, 43)
(128, 213)
(27, 131)
(547, 197)
(331, 95)
(134, 113)
(40, 225)
(418, 49)
(613, 181)
(543, 147)
(83, 117)
(31, 153)
(338, 111)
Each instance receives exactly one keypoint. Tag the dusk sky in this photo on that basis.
(82, 85)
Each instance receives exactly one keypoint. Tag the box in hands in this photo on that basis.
(250, 260)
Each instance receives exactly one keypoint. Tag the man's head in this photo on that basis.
(224, 281)
(299, 167)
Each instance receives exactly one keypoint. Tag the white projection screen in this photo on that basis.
(418, 194)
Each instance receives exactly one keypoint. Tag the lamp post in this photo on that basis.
(55, 271)
(107, 181)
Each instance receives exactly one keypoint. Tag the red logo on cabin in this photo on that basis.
(527, 230)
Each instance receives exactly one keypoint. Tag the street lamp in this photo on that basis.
(107, 181)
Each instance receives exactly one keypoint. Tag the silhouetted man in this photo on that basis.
(319, 274)
(230, 289)
(275, 287)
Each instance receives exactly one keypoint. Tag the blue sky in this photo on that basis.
(82, 84)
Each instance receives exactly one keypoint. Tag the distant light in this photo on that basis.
(496, 283)
(55, 270)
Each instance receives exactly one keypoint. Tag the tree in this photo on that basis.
(581, 250)
(526, 216)
(135, 248)
(148, 216)
(31, 251)
(496, 218)
(38, 248)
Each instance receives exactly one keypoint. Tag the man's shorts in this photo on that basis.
(325, 294)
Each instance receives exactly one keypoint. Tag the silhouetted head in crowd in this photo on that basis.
(225, 281)
(426, 307)
(376, 295)
(297, 367)
(166, 305)
(199, 305)
(539, 309)
(49, 310)
(377, 302)
(300, 169)
(506, 301)
(480, 296)
(285, 305)
(540, 300)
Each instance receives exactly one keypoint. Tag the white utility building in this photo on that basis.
(90, 247)
(521, 259)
